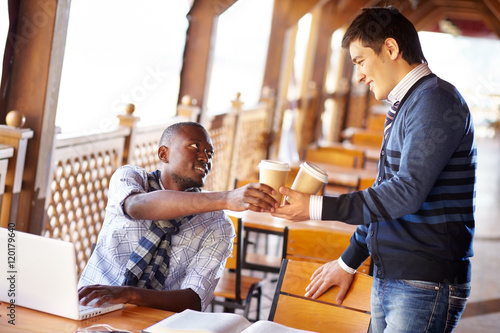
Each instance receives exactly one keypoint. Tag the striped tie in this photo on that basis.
(389, 118)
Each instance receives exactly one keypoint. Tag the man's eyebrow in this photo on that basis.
(355, 60)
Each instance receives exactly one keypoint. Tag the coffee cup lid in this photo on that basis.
(274, 165)
(315, 171)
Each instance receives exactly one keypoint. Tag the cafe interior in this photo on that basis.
(89, 86)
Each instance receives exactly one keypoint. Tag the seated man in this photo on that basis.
(164, 243)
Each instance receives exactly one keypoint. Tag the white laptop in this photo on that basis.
(40, 273)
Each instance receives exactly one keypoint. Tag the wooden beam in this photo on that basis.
(490, 15)
(416, 16)
(494, 7)
(329, 21)
(199, 49)
(285, 14)
(33, 90)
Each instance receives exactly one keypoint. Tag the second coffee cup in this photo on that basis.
(309, 179)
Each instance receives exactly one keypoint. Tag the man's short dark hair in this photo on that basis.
(374, 25)
(171, 131)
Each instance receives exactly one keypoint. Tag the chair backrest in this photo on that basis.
(317, 245)
(345, 157)
(234, 261)
(291, 308)
(358, 153)
(367, 137)
(375, 121)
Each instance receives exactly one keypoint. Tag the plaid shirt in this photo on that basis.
(199, 250)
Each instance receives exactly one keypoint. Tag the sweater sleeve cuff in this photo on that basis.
(315, 207)
(345, 267)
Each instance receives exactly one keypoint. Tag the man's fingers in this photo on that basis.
(341, 295)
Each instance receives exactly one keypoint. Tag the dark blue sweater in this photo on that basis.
(417, 221)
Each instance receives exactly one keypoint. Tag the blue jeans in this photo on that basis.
(400, 306)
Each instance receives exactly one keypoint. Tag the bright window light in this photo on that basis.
(120, 52)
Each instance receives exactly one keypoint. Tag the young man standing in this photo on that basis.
(417, 221)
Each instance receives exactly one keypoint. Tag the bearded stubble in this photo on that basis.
(186, 182)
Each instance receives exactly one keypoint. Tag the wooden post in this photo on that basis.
(189, 108)
(16, 137)
(130, 121)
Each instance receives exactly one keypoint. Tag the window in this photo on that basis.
(120, 52)
(473, 70)
(240, 54)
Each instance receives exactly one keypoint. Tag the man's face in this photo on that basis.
(374, 70)
(190, 158)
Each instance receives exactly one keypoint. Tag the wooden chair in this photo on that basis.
(317, 245)
(338, 148)
(323, 315)
(332, 156)
(236, 290)
(375, 121)
(367, 138)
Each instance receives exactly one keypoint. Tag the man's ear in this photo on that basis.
(163, 154)
(392, 48)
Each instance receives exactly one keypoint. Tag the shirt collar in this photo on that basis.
(407, 82)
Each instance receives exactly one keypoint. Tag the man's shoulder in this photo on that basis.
(431, 92)
(130, 171)
(129, 168)
(437, 86)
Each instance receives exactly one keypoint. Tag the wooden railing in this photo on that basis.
(82, 167)
(81, 170)
(241, 140)
(14, 141)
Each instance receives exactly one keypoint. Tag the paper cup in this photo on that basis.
(309, 179)
(274, 174)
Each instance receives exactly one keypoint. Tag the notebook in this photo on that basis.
(40, 273)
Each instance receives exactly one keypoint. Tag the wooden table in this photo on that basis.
(265, 223)
(131, 318)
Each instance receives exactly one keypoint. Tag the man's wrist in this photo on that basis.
(345, 267)
(315, 207)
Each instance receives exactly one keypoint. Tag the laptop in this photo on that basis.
(39, 273)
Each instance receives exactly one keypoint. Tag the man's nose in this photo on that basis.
(203, 156)
(360, 76)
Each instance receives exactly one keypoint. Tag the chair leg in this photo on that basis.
(259, 303)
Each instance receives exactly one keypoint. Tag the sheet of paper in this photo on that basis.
(189, 321)
(264, 326)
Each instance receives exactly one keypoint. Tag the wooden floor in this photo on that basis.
(482, 313)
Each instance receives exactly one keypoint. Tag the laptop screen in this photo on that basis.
(41, 273)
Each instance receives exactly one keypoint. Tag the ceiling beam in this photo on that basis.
(490, 18)
(494, 7)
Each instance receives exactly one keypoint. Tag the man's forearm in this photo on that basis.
(163, 205)
(169, 300)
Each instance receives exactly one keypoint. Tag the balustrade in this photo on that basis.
(14, 141)
(81, 166)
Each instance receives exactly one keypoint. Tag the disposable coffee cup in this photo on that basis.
(309, 179)
(274, 174)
